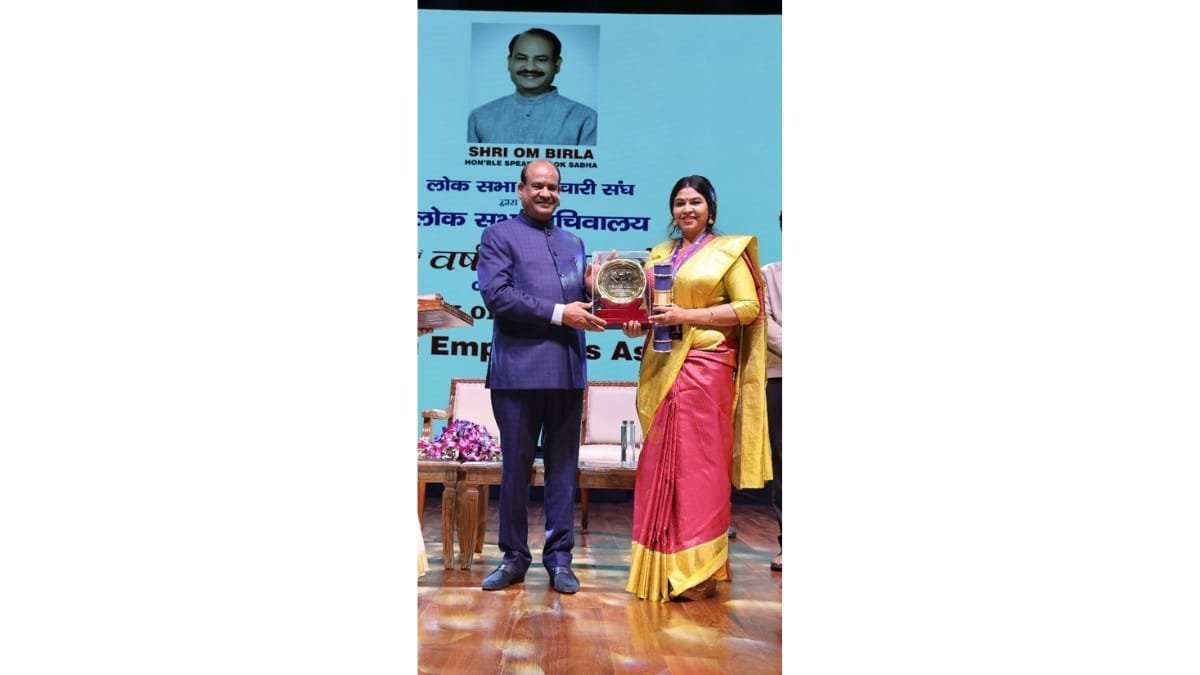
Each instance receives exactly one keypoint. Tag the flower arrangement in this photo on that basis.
(461, 441)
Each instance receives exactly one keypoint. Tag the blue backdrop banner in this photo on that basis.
(673, 95)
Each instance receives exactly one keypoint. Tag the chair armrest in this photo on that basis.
(427, 418)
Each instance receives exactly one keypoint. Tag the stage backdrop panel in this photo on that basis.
(675, 94)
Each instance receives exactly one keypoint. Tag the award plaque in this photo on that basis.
(621, 290)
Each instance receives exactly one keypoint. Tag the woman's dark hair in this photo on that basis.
(699, 184)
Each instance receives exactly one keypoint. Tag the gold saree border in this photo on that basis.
(655, 575)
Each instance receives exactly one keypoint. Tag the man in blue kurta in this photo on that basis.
(536, 112)
(533, 277)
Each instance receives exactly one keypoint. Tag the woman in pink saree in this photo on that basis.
(702, 403)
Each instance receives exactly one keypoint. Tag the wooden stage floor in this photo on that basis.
(529, 628)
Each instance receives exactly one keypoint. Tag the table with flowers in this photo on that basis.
(465, 459)
(446, 473)
(474, 454)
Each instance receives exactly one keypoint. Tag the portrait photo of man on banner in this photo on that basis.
(522, 92)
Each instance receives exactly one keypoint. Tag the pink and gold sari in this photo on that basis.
(703, 408)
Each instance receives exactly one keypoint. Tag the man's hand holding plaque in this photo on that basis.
(620, 287)
(576, 315)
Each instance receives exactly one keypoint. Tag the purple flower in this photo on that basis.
(463, 441)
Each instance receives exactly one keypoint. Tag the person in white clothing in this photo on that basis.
(773, 305)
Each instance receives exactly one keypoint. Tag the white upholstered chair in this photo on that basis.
(605, 405)
(469, 400)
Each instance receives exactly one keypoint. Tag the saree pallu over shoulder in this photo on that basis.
(698, 284)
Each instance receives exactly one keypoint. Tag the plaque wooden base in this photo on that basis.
(616, 315)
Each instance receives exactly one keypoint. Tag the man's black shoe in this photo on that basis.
(503, 577)
(563, 580)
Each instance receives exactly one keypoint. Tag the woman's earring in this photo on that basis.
(710, 221)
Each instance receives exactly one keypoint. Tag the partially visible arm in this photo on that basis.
(774, 314)
(742, 307)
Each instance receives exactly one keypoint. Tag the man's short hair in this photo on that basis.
(555, 43)
(557, 170)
